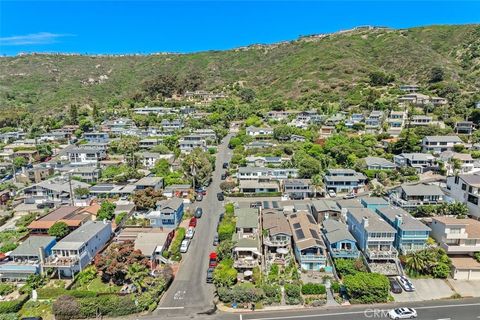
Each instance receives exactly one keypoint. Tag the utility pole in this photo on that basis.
(70, 186)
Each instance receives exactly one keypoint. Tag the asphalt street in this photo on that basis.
(189, 294)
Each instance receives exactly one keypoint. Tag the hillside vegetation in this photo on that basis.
(327, 68)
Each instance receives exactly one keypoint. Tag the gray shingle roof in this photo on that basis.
(454, 139)
(30, 247)
(81, 235)
(375, 223)
(336, 231)
(422, 190)
(409, 223)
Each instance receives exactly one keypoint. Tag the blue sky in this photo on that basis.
(186, 26)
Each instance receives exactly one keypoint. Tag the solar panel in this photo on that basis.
(310, 218)
(314, 233)
(296, 225)
(299, 233)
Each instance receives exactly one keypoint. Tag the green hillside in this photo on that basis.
(325, 67)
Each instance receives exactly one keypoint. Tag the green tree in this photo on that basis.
(59, 230)
(197, 166)
(247, 95)
(128, 145)
(80, 192)
(378, 78)
(137, 273)
(436, 75)
(106, 211)
(364, 287)
(225, 275)
(161, 168)
(73, 114)
(19, 162)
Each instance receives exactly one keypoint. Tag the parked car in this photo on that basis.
(202, 191)
(256, 204)
(193, 222)
(215, 240)
(350, 196)
(198, 212)
(44, 205)
(220, 196)
(210, 274)
(223, 176)
(184, 246)
(190, 233)
(402, 313)
(332, 193)
(395, 286)
(406, 284)
(199, 197)
(225, 165)
(212, 261)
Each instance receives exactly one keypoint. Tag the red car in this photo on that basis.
(212, 262)
(193, 222)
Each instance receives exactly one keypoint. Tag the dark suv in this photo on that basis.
(210, 274)
(395, 286)
(198, 213)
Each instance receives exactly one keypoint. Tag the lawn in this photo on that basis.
(37, 309)
(97, 285)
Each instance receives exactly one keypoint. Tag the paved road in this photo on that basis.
(189, 294)
(462, 309)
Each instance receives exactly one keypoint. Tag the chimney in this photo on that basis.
(41, 255)
(398, 220)
(365, 222)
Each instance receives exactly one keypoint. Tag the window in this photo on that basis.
(470, 242)
(455, 230)
(472, 199)
(464, 186)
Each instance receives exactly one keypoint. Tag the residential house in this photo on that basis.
(464, 161)
(464, 127)
(88, 174)
(207, 134)
(78, 249)
(375, 237)
(155, 110)
(265, 161)
(374, 203)
(409, 88)
(171, 125)
(277, 237)
(153, 244)
(326, 131)
(415, 98)
(422, 162)
(465, 188)
(120, 126)
(297, 138)
(308, 246)
(374, 121)
(107, 190)
(254, 186)
(410, 197)
(259, 132)
(149, 159)
(177, 190)
(256, 173)
(86, 155)
(26, 259)
(96, 137)
(340, 242)
(412, 234)
(35, 175)
(55, 190)
(247, 249)
(420, 120)
(156, 183)
(377, 163)
(149, 143)
(460, 238)
(298, 188)
(344, 180)
(187, 144)
(71, 215)
(396, 122)
(278, 115)
(437, 144)
(325, 209)
(167, 214)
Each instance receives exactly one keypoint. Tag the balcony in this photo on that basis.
(344, 253)
(460, 249)
(304, 258)
(59, 261)
(246, 263)
(381, 254)
(411, 249)
(275, 243)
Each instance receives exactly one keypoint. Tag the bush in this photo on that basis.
(272, 293)
(175, 246)
(6, 288)
(335, 287)
(107, 305)
(241, 293)
(349, 266)
(292, 293)
(313, 288)
(441, 270)
(224, 274)
(14, 305)
(53, 293)
(65, 308)
(364, 287)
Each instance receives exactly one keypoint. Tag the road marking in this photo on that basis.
(445, 319)
(179, 295)
(170, 308)
(361, 312)
(241, 318)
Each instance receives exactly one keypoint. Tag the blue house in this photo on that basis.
(412, 234)
(168, 213)
(374, 203)
(340, 241)
(26, 258)
(96, 137)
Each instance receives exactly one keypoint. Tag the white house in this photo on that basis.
(439, 144)
(465, 188)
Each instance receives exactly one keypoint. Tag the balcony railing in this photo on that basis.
(410, 249)
(60, 262)
(275, 243)
(312, 258)
(245, 263)
(381, 255)
(344, 253)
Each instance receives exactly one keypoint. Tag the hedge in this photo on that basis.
(53, 293)
(241, 293)
(14, 305)
(176, 243)
(258, 194)
(313, 288)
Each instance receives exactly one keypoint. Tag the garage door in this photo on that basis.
(467, 275)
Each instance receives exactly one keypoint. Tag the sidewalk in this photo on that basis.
(225, 308)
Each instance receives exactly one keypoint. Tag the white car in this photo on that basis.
(402, 313)
(350, 196)
(190, 233)
(184, 246)
(406, 284)
(332, 193)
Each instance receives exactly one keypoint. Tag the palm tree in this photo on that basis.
(137, 273)
(420, 262)
(317, 183)
(458, 209)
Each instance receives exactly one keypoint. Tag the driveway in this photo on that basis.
(426, 289)
(466, 288)
(189, 293)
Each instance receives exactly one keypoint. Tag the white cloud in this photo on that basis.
(31, 39)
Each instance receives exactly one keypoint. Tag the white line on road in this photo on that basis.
(361, 312)
(445, 319)
(170, 308)
(241, 318)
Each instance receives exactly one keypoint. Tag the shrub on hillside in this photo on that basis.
(313, 288)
